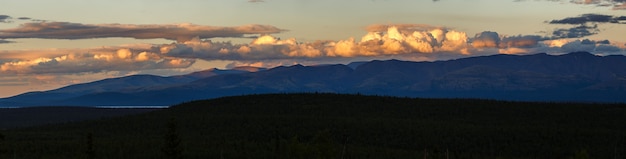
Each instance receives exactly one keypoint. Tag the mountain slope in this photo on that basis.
(578, 76)
(120, 85)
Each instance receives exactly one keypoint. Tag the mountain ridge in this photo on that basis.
(573, 77)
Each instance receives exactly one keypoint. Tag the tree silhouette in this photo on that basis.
(90, 151)
(582, 154)
(324, 145)
(1, 140)
(172, 148)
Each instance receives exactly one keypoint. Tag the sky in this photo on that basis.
(50, 44)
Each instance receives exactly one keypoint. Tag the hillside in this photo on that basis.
(333, 125)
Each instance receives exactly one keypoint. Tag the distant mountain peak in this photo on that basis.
(249, 68)
(354, 65)
(579, 53)
(216, 71)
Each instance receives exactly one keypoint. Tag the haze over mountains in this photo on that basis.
(573, 77)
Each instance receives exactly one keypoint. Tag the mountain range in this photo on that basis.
(572, 77)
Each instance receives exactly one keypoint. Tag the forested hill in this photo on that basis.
(338, 126)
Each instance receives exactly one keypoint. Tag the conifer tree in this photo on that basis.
(582, 154)
(1, 140)
(90, 151)
(172, 148)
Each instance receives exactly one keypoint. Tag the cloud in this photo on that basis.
(402, 41)
(92, 61)
(615, 4)
(490, 39)
(575, 32)
(5, 19)
(256, 1)
(408, 41)
(600, 47)
(381, 41)
(620, 7)
(605, 48)
(590, 18)
(486, 39)
(180, 32)
(2, 41)
(586, 25)
(578, 45)
(521, 41)
(404, 28)
(12, 81)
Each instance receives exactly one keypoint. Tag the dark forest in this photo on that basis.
(320, 125)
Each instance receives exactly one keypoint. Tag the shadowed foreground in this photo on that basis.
(37, 116)
(336, 126)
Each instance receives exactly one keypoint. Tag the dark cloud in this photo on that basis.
(179, 32)
(607, 48)
(603, 42)
(9, 19)
(590, 46)
(486, 39)
(616, 4)
(490, 39)
(5, 19)
(521, 41)
(586, 24)
(580, 45)
(587, 41)
(575, 32)
(2, 41)
(601, 47)
(590, 18)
